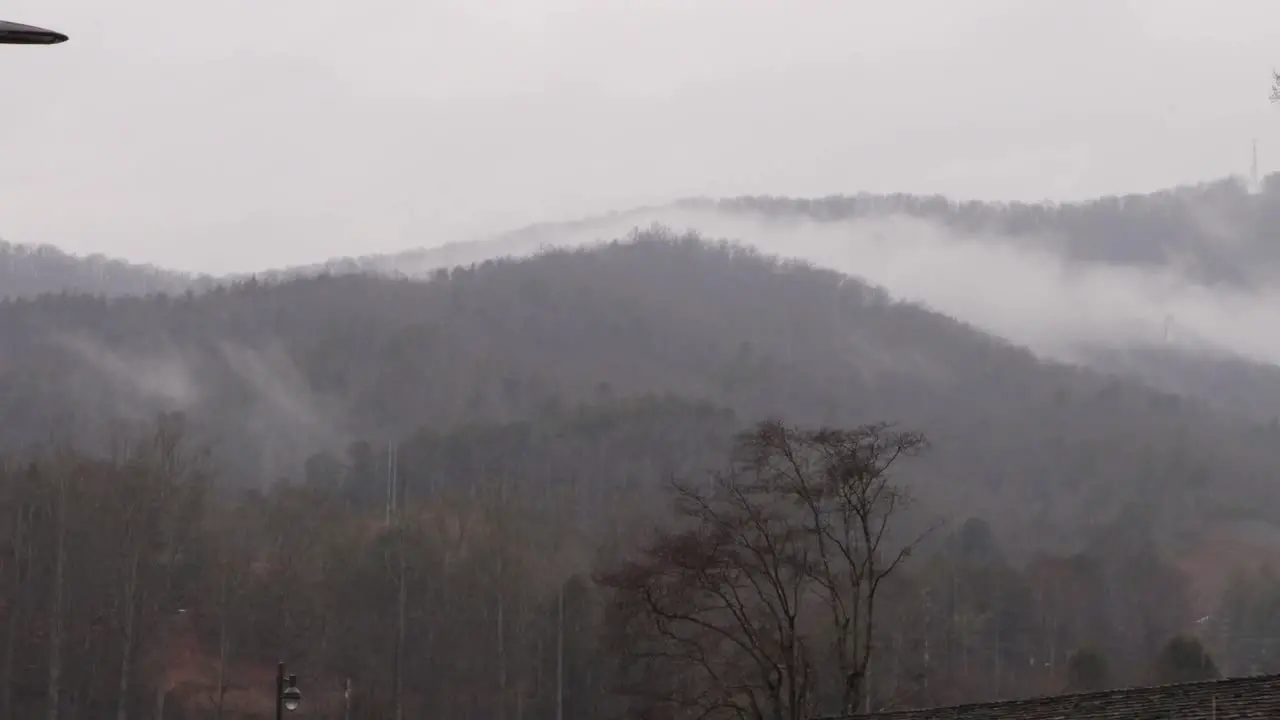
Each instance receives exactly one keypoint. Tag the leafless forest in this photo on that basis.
(665, 477)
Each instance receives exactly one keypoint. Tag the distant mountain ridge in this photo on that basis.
(30, 270)
(1219, 232)
(274, 371)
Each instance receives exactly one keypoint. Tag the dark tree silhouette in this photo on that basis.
(1184, 659)
(1088, 670)
(761, 603)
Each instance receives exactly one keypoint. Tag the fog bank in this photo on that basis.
(1005, 285)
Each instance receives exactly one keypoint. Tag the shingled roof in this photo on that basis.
(1248, 698)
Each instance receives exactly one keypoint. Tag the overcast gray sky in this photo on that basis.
(244, 134)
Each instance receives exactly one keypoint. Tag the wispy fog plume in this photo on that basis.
(1006, 285)
(283, 419)
(286, 417)
(139, 383)
(285, 406)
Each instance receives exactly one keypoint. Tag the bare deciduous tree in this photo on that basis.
(760, 604)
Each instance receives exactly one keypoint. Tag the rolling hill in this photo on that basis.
(523, 417)
(272, 372)
(31, 270)
(1218, 232)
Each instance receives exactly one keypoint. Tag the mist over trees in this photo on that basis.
(1220, 232)
(270, 373)
(655, 478)
(185, 593)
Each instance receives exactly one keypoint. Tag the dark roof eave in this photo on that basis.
(12, 33)
(1224, 699)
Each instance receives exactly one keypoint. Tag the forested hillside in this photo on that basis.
(493, 584)
(27, 271)
(1220, 380)
(1218, 232)
(455, 493)
(31, 270)
(273, 372)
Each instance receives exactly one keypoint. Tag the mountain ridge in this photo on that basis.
(1022, 222)
(1080, 235)
(281, 370)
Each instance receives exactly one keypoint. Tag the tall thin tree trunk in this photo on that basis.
(999, 665)
(400, 629)
(92, 681)
(402, 589)
(502, 645)
(126, 650)
(6, 692)
(222, 648)
(866, 693)
(15, 610)
(54, 690)
(560, 654)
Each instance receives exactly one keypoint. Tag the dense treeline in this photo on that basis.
(1221, 231)
(134, 586)
(507, 500)
(270, 373)
(1217, 232)
(27, 271)
(1223, 382)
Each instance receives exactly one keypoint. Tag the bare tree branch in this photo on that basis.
(762, 602)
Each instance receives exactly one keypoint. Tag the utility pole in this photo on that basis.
(280, 690)
(288, 697)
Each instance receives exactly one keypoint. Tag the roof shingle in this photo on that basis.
(1247, 698)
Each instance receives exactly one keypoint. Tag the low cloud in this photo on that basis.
(161, 379)
(283, 416)
(1010, 286)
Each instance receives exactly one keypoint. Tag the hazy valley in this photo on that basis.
(433, 451)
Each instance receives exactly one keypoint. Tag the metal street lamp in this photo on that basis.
(288, 696)
(12, 33)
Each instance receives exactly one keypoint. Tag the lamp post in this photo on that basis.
(12, 33)
(288, 696)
